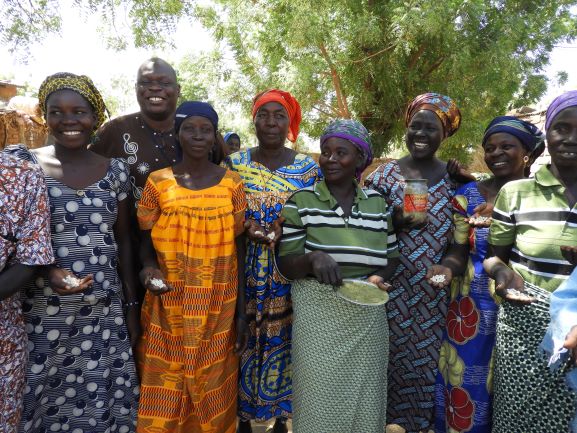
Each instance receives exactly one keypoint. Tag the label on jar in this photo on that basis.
(415, 203)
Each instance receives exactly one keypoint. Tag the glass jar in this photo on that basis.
(415, 199)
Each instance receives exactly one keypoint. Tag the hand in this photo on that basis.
(482, 215)
(276, 228)
(256, 233)
(569, 254)
(458, 173)
(325, 269)
(509, 285)
(57, 280)
(406, 222)
(133, 325)
(380, 282)
(148, 275)
(571, 342)
(241, 334)
(438, 271)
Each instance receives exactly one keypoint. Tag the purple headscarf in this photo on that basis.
(354, 132)
(566, 100)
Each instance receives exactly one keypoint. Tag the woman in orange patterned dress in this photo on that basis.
(191, 216)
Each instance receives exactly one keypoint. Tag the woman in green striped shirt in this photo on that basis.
(534, 230)
(336, 230)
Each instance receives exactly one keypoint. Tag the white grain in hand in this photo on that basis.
(157, 282)
(71, 281)
(438, 278)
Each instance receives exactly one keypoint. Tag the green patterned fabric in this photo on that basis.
(529, 397)
(339, 355)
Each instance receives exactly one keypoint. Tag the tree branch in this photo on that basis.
(384, 50)
(434, 66)
(341, 97)
(416, 56)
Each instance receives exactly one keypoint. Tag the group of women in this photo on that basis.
(241, 259)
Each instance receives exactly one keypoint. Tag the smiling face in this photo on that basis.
(339, 160)
(70, 118)
(271, 123)
(424, 135)
(157, 90)
(504, 155)
(562, 139)
(196, 137)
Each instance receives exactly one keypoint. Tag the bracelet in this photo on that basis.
(132, 304)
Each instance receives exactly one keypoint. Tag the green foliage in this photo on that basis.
(345, 58)
(208, 77)
(151, 22)
(118, 94)
(367, 59)
(23, 23)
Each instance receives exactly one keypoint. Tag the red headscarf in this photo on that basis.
(289, 103)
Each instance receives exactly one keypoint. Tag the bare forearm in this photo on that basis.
(240, 259)
(456, 258)
(494, 266)
(295, 267)
(147, 253)
(387, 272)
(126, 267)
(13, 278)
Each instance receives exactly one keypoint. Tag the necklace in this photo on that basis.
(267, 195)
(160, 138)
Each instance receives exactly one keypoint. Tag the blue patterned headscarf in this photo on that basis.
(230, 135)
(357, 134)
(566, 100)
(528, 134)
(194, 108)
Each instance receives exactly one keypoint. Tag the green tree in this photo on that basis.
(151, 22)
(367, 59)
(352, 58)
(210, 77)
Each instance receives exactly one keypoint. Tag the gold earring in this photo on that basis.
(525, 159)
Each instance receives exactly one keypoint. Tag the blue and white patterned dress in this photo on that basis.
(81, 376)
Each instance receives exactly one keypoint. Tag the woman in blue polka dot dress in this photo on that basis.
(81, 376)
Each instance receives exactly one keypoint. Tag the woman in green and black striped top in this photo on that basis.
(336, 230)
(534, 230)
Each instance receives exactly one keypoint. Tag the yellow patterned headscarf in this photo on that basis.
(81, 84)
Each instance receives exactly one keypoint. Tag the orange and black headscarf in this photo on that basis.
(289, 103)
(443, 106)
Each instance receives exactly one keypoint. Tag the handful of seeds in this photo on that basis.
(515, 292)
(440, 278)
(479, 220)
(270, 235)
(157, 282)
(71, 281)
